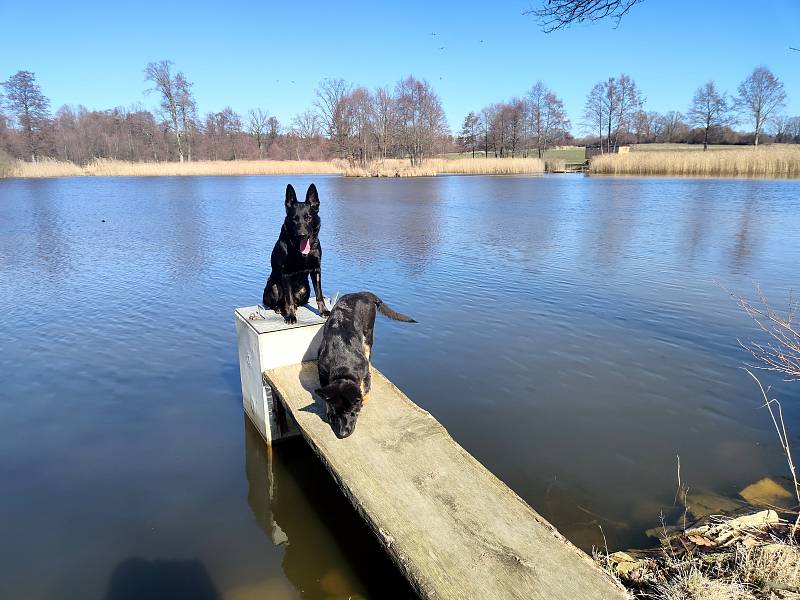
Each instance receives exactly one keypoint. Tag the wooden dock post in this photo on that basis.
(266, 342)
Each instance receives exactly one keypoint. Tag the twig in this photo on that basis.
(780, 429)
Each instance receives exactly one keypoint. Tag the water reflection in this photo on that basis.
(746, 238)
(50, 229)
(328, 551)
(613, 221)
(183, 199)
(140, 579)
(374, 218)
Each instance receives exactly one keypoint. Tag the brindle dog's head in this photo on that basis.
(343, 402)
(302, 219)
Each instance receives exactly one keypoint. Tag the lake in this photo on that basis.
(574, 335)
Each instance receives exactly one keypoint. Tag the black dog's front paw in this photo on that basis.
(290, 319)
(325, 312)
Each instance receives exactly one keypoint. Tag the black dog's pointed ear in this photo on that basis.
(291, 197)
(312, 198)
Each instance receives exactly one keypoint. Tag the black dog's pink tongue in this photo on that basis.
(305, 246)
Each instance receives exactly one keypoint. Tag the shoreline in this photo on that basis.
(773, 164)
(742, 547)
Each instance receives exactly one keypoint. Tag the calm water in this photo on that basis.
(574, 336)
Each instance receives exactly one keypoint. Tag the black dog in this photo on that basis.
(296, 254)
(344, 354)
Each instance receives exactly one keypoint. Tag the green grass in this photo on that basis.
(569, 154)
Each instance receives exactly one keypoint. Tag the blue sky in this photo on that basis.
(273, 55)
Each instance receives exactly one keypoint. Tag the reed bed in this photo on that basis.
(779, 161)
(119, 168)
(390, 167)
(446, 166)
(488, 166)
(380, 168)
(555, 165)
(45, 168)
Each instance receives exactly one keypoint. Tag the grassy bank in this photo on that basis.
(778, 161)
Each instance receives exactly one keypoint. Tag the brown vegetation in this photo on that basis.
(747, 557)
(772, 161)
(120, 168)
(378, 168)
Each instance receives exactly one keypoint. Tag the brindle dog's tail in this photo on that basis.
(384, 309)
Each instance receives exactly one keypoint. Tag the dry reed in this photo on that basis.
(778, 161)
(445, 166)
(118, 168)
(488, 166)
(390, 167)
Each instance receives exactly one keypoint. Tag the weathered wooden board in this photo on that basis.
(453, 528)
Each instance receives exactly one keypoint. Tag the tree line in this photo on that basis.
(359, 125)
(517, 127)
(347, 121)
(614, 114)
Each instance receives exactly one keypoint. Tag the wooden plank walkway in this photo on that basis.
(453, 528)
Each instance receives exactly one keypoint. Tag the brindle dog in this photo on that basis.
(343, 359)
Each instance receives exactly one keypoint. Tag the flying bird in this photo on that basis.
(441, 47)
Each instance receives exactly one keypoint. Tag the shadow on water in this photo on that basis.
(140, 579)
(328, 550)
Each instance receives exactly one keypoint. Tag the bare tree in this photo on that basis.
(332, 108)
(29, 107)
(257, 124)
(760, 95)
(160, 75)
(557, 14)
(421, 121)
(628, 104)
(187, 110)
(594, 112)
(709, 109)
(646, 126)
(273, 129)
(787, 129)
(515, 124)
(385, 117)
(307, 127)
(547, 119)
(672, 126)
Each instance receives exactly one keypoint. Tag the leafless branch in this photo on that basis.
(775, 411)
(781, 353)
(558, 14)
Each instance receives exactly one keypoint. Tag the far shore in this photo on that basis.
(778, 161)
